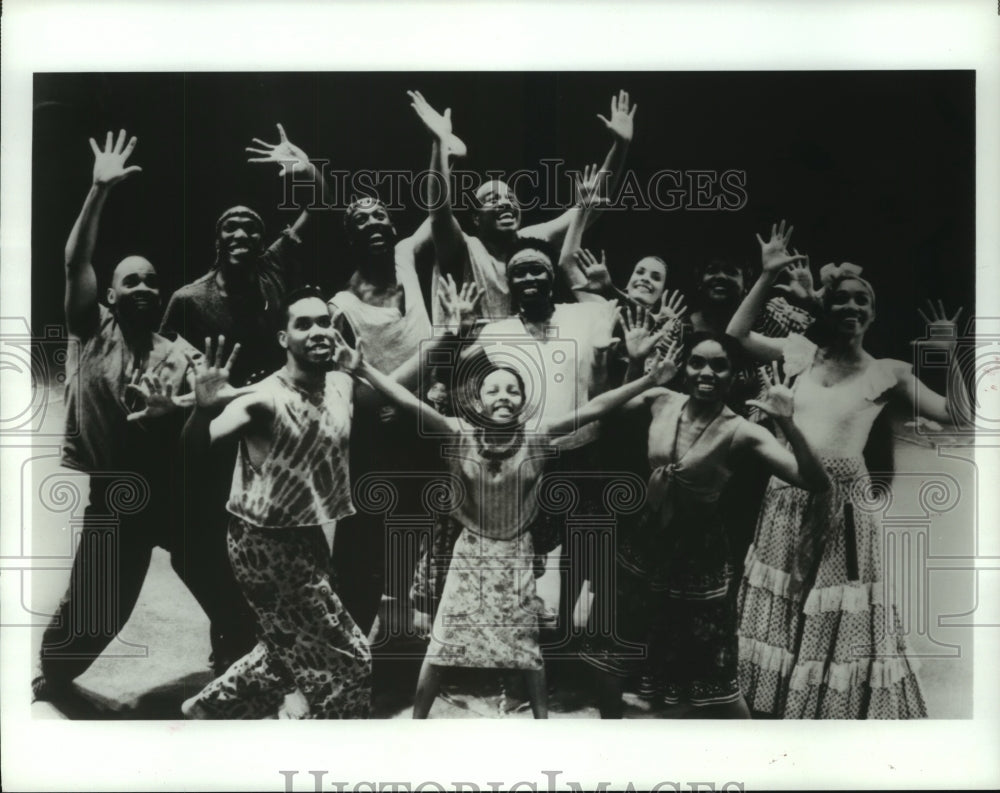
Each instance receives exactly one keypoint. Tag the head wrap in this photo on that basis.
(526, 255)
(239, 211)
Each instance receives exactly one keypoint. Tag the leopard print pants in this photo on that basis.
(308, 640)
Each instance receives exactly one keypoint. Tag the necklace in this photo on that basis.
(495, 454)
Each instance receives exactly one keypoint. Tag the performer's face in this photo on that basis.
(722, 282)
(530, 279)
(709, 371)
(498, 209)
(308, 334)
(370, 228)
(239, 240)
(851, 308)
(501, 397)
(135, 291)
(649, 278)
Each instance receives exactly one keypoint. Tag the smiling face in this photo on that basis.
(369, 227)
(135, 292)
(529, 273)
(708, 371)
(498, 212)
(649, 279)
(239, 240)
(501, 396)
(850, 307)
(722, 282)
(308, 334)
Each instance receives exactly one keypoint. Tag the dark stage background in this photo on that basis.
(877, 168)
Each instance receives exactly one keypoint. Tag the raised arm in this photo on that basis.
(293, 161)
(588, 196)
(621, 126)
(81, 280)
(800, 466)
(352, 361)
(774, 257)
(956, 407)
(459, 311)
(449, 244)
(662, 371)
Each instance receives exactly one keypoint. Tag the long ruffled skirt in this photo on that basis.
(826, 644)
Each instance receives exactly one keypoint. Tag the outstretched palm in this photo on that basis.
(640, 336)
(774, 253)
(621, 123)
(459, 306)
(289, 156)
(159, 399)
(209, 375)
(345, 356)
(664, 365)
(438, 124)
(778, 399)
(598, 279)
(109, 164)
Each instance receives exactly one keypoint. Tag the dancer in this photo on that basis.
(488, 612)
(121, 422)
(497, 218)
(674, 582)
(290, 481)
(819, 636)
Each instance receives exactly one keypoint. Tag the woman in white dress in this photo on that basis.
(819, 636)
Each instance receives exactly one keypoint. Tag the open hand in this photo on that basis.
(621, 122)
(596, 272)
(640, 333)
(778, 400)
(159, 398)
(672, 307)
(438, 124)
(345, 356)
(664, 363)
(774, 253)
(590, 187)
(209, 376)
(109, 165)
(800, 283)
(289, 156)
(942, 331)
(459, 306)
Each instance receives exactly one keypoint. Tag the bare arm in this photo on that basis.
(662, 370)
(396, 393)
(774, 258)
(80, 301)
(956, 406)
(621, 127)
(800, 466)
(294, 161)
(449, 244)
(588, 190)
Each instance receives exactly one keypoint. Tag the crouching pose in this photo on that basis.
(488, 616)
(290, 482)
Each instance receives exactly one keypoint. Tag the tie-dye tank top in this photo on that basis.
(304, 481)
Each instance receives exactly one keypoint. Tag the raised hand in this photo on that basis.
(208, 377)
(346, 357)
(664, 364)
(438, 124)
(289, 156)
(942, 331)
(621, 122)
(800, 280)
(459, 306)
(672, 307)
(159, 398)
(778, 400)
(605, 339)
(640, 334)
(590, 186)
(109, 165)
(774, 253)
(596, 272)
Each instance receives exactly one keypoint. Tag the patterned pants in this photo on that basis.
(308, 640)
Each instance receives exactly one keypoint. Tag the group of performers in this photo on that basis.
(748, 584)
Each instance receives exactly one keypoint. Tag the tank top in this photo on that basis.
(304, 481)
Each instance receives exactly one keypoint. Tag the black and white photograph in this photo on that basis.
(641, 391)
